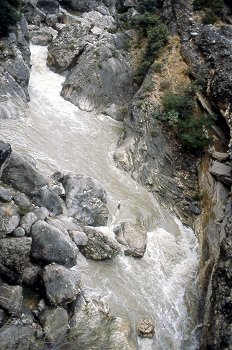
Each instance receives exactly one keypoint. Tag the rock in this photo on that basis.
(6, 195)
(5, 151)
(51, 20)
(58, 189)
(30, 274)
(146, 328)
(9, 218)
(99, 245)
(22, 201)
(27, 221)
(41, 38)
(220, 156)
(51, 245)
(193, 207)
(19, 232)
(88, 5)
(85, 200)
(17, 337)
(41, 213)
(48, 6)
(23, 176)
(222, 172)
(55, 323)
(47, 198)
(96, 86)
(11, 298)
(226, 248)
(33, 15)
(133, 236)
(62, 285)
(14, 255)
(58, 224)
(80, 238)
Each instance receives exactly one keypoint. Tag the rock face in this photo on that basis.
(99, 246)
(100, 76)
(14, 255)
(51, 245)
(85, 200)
(22, 175)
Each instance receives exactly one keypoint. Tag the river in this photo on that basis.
(62, 137)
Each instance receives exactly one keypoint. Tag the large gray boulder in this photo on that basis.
(22, 175)
(100, 246)
(11, 298)
(102, 79)
(14, 255)
(85, 200)
(55, 323)
(62, 285)
(49, 244)
(133, 237)
(9, 218)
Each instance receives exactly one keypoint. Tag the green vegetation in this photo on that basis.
(212, 8)
(9, 14)
(178, 113)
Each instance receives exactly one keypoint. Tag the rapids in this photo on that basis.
(62, 137)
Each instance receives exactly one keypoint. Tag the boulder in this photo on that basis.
(47, 198)
(14, 255)
(27, 221)
(17, 337)
(85, 200)
(102, 79)
(79, 237)
(41, 213)
(6, 195)
(133, 237)
(51, 245)
(22, 201)
(9, 218)
(146, 328)
(22, 175)
(41, 38)
(5, 151)
(55, 323)
(99, 245)
(222, 172)
(62, 285)
(11, 298)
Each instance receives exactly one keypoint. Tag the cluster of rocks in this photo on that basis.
(44, 225)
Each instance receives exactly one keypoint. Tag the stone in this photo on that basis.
(57, 224)
(220, 156)
(51, 20)
(5, 151)
(62, 285)
(31, 274)
(146, 328)
(41, 213)
(222, 172)
(9, 218)
(23, 176)
(14, 255)
(6, 195)
(47, 198)
(19, 232)
(22, 201)
(99, 245)
(18, 337)
(27, 221)
(51, 245)
(226, 248)
(55, 323)
(133, 237)
(11, 298)
(85, 200)
(41, 38)
(80, 238)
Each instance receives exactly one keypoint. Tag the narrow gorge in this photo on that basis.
(115, 189)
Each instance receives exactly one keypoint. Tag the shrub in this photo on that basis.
(9, 14)
(178, 114)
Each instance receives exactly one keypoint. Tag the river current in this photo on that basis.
(62, 137)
